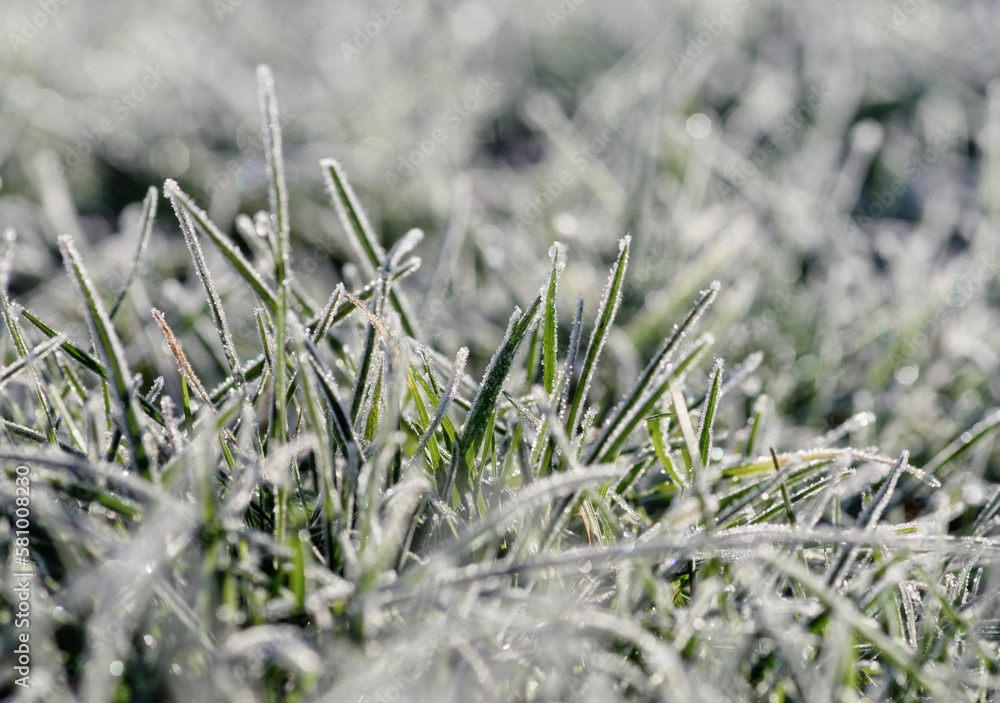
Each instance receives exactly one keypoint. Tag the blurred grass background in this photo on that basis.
(835, 165)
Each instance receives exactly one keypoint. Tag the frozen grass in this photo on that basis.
(281, 499)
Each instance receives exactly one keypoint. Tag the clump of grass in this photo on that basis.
(352, 516)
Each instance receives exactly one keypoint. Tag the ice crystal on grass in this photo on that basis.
(361, 520)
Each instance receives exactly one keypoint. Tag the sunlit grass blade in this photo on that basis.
(145, 228)
(214, 300)
(549, 338)
(226, 246)
(708, 415)
(760, 408)
(650, 372)
(605, 317)
(690, 446)
(613, 436)
(433, 423)
(329, 313)
(461, 472)
(663, 452)
(110, 346)
(182, 362)
(271, 131)
(359, 231)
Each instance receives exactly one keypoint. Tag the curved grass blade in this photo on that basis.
(214, 301)
(442, 408)
(111, 347)
(88, 361)
(549, 339)
(364, 241)
(484, 404)
(605, 317)
(277, 190)
(226, 246)
(145, 228)
(708, 416)
(371, 255)
(650, 372)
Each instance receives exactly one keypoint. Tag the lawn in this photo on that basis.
(443, 351)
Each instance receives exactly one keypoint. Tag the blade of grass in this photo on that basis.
(359, 231)
(605, 317)
(277, 190)
(182, 362)
(370, 253)
(225, 245)
(214, 301)
(651, 371)
(145, 228)
(432, 424)
(461, 472)
(111, 347)
(549, 339)
(708, 415)
(600, 451)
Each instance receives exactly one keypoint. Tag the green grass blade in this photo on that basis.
(329, 313)
(708, 415)
(342, 426)
(214, 301)
(88, 361)
(663, 452)
(484, 404)
(681, 412)
(650, 372)
(277, 190)
(549, 339)
(111, 347)
(605, 317)
(433, 423)
(359, 231)
(145, 229)
(602, 450)
(226, 246)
